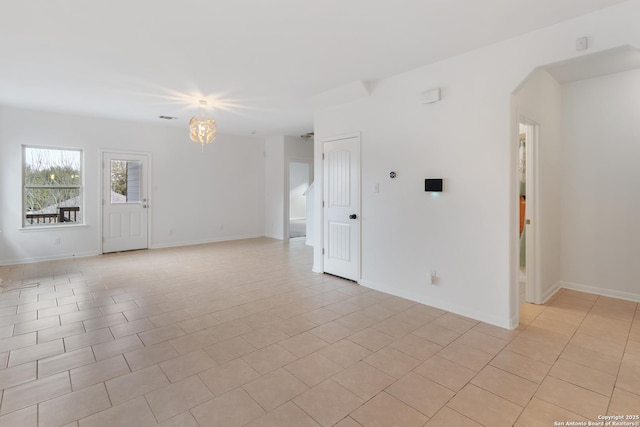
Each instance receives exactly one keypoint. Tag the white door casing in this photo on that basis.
(125, 216)
(287, 198)
(341, 209)
(533, 292)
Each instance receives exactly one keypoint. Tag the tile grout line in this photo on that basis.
(624, 351)
(558, 357)
(170, 289)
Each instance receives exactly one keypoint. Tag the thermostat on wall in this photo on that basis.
(433, 185)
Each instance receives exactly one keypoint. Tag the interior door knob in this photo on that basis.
(353, 216)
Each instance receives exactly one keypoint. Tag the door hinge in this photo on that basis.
(322, 156)
(322, 251)
(323, 203)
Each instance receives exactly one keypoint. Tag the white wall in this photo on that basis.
(469, 233)
(540, 100)
(274, 187)
(310, 238)
(203, 197)
(299, 150)
(601, 185)
(298, 184)
(279, 151)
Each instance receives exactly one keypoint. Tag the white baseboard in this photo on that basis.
(204, 241)
(629, 296)
(549, 293)
(514, 322)
(272, 236)
(30, 260)
(506, 323)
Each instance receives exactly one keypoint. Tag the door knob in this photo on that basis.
(144, 206)
(353, 216)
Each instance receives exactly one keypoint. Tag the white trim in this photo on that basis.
(549, 293)
(205, 241)
(533, 291)
(55, 257)
(635, 297)
(318, 179)
(287, 191)
(340, 137)
(514, 322)
(82, 186)
(321, 191)
(533, 288)
(149, 176)
(507, 323)
(62, 226)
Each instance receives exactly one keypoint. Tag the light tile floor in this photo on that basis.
(243, 333)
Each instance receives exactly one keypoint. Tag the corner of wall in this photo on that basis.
(506, 322)
(514, 322)
(612, 293)
(549, 293)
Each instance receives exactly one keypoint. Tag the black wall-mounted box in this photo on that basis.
(433, 185)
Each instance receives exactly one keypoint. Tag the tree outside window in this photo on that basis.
(52, 186)
(118, 178)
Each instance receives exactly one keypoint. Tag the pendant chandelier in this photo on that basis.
(202, 129)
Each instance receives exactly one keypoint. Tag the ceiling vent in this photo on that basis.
(307, 136)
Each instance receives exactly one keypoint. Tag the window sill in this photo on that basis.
(51, 227)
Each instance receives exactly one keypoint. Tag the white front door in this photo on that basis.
(125, 203)
(342, 207)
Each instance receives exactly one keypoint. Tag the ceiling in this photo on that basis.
(259, 62)
(596, 65)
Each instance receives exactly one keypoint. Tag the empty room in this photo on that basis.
(319, 213)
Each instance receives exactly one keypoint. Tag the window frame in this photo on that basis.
(29, 226)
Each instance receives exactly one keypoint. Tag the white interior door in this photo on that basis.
(533, 293)
(529, 238)
(125, 204)
(342, 207)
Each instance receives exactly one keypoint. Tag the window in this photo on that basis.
(126, 181)
(52, 180)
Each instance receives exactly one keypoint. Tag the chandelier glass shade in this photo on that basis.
(202, 129)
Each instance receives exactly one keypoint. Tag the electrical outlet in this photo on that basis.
(434, 277)
(57, 241)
